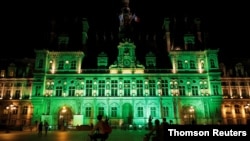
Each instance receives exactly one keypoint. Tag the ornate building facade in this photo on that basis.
(130, 82)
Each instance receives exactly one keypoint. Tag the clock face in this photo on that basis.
(126, 62)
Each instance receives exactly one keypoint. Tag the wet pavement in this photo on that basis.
(116, 135)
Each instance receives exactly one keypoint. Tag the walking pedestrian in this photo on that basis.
(46, 127)
(40, 129)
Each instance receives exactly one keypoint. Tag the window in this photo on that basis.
(192, 65)
(71, 91)
(101, 111)
(182, 90)
(152, 88)
(164, 86)
(25, 110)
(113, 111)
(140, 111)
(153, 111)
(165, 112)
(212, 63)
(88, 112)
(114, 88)
(60, 65)
(89, 85)
(17, 94)
(38, 91)
(101, 88)
(195, 90)
(139, 87)
(126, 87)
(180, 66)
(73, 65)
(59, 91)
(40, 63)
(216, 89)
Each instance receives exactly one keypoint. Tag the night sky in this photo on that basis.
(24, 25)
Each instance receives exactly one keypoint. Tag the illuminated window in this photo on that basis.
(101, 88)
(153, 111)
(152, 88)
(165, 112)
(73, 65)
(101, 111)
(59, 91)
(114, 88)
(140, 111)
(195, 90)
(237, 109)
(89, 85)
(72, 91)
(182, 90)
(88, 112)
(113, 111)
(164, 86)
(139, 86)
(126, 87)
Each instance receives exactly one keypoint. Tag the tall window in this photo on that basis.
(179, 63)
(152, 88)
(40, 63)
(164, 86)
(88, 112)
(59, 91)
(73, 65)
(89, 85)
(216, 89)
(165, 111)
(194, 90)
(140, 111)
(113, 111)
(101, 111)
(60, 65)
(212, 63)
(126, 87)
(182, 90)
(38, 91)
(72, 91)
(7, 95)
(101, 88)
(153, 111)
(192, 65)
(139, 87)
(25, 110)
(114, 88)
(17, 94)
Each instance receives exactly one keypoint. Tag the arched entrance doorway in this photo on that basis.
(127, 113)
(188, 113)
(65, 118)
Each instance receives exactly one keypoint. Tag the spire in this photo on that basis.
(126, 18)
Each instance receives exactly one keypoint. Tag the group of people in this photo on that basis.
(158, 132)
(42, 125)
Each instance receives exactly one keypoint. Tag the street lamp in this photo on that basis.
(9, 110)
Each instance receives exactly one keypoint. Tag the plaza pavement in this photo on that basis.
(116, 135)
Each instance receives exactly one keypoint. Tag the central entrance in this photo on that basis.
(65, 118)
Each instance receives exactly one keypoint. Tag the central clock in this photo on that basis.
(126, 62)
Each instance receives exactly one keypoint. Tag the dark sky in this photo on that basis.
(24, 24)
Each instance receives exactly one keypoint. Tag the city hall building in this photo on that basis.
(125, 79)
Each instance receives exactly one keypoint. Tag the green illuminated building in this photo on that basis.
(131, 85)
